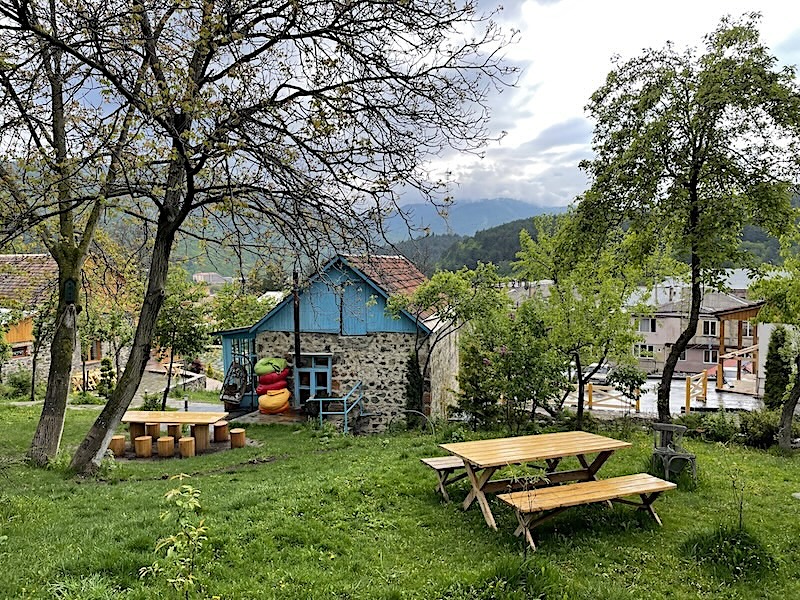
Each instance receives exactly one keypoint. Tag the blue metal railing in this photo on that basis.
(354, 398)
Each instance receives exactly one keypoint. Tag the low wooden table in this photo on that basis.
(200, 421)
(483, 457)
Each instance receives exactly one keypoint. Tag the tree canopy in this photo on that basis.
(691, 147)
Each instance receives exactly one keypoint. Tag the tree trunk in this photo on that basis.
(47, 439)
(581, 391)
(89, 454)
(169, 372)
(787, 412)
(691, 328)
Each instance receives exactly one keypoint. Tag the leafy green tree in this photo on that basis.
(777, 369)
(446, 303)
(182, 323)
(691, 148)
(508, 369)
(307, 116)
(585, 311)
(781, 293)
(231, 307)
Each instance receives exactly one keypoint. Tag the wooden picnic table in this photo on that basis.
(483, 457)
(200, 421)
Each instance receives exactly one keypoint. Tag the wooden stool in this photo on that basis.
(186, 446)
(221, 433)
(237, 438)
(174, 431)
(153, 430)
(143, 445)
(201, 435)
(166, 446)
(136, 430)
(117, 445)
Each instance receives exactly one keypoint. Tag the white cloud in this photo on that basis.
(566, 48)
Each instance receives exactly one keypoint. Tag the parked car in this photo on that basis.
(601, 375)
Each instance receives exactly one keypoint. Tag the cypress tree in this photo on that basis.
(777, 369)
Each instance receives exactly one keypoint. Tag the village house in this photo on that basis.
(346, 335)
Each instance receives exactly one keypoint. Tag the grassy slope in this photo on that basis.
(307, 516)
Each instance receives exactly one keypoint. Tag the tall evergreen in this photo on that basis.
(778, 370)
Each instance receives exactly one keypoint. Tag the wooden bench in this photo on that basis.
(528, 504)
(444, 467)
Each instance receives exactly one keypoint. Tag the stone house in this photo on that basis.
(345, 333)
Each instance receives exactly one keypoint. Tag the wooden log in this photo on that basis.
(221, 431)
(186, 446)
(153, 430)
(174, 431)
(166, 446)
(143, 445)
(117, 445)
(201, 436)
(237, 437)
(136, 430)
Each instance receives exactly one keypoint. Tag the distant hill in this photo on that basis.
(466, 218)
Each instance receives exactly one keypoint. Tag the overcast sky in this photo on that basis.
(565, 49)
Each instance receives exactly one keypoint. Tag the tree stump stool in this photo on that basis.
(117, 445)
(136, 430)
(221, 433)
(153, 430)
(237, 438)
(186, 446)
(201, 435)
(174, 431)
(166, 446)
(143, 446)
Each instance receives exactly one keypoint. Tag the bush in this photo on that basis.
(720, 427)
(693, 422)
(777, 370)
(731, 553)
(150, 402)
(20, 383)
(86, 398)
(759, 428)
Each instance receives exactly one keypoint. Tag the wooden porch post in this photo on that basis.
(720, 352)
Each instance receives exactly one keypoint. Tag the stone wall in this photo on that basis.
(376, 359)
(443, 376)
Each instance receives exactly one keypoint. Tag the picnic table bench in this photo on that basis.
(534, 507)
(444, 467)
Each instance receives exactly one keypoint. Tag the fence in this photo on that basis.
(696, 389)
(606, 396)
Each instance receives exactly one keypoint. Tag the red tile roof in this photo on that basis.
(394, 274)
(27, 278)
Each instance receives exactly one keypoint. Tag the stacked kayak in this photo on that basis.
(273, 389)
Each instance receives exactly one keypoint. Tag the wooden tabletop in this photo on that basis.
(173, 416)
(530, 448)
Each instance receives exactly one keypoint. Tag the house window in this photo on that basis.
(710, 357)
(747, 329)
(647, 325)
(682, 356)
(20, 351)
(314, 376)
(709, 328)
(643, 351)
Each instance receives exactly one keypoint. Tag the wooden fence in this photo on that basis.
(696, 389)
(605, 396)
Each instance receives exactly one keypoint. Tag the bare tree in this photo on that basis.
(308, 116)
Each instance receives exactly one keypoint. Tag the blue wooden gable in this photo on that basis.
(340, 300)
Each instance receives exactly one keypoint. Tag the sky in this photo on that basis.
(565, 49)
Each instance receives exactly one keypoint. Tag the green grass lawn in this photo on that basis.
(309, 515)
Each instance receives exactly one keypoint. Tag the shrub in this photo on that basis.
(150, 402)
(760, 428)
(777, 370)
(20, 383)
(86, 398)
(720, 427)
(731, 553)
(106, 384)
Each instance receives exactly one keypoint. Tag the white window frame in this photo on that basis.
(644, 351)
(646, 325)
(711, 354)
(747, 329)
(709, 328)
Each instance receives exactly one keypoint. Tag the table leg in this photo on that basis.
(592, 469)
(201, 437)
(478, 481)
